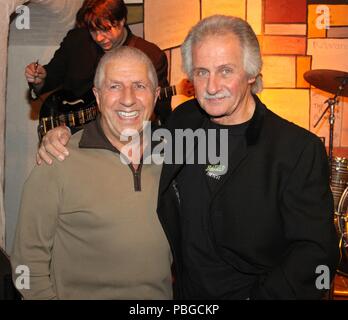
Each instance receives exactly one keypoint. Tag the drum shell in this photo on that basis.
(339, 178)
(341, 222)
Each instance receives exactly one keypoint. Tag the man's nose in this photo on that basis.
(99, 36)
(128, 97)
(213, 85)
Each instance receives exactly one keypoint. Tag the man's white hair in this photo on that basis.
(120, 53)
(225, 25)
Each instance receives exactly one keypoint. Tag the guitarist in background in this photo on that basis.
(101, 25)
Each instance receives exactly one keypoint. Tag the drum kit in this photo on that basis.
(335, 82)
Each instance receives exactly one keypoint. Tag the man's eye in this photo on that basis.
(226, 71)
(140, 86)
(115, 86)
(200, 73)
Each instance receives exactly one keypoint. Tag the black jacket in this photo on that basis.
(272, 216)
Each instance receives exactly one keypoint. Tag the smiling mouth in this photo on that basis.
(215, 100)
(128, 115)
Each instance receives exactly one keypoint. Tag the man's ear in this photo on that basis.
(121, 23)
(96, 94)
(251, 80)
(157, 94)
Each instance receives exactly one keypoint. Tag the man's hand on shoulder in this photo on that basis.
(53, 145)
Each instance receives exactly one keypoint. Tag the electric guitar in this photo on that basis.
(63, 108)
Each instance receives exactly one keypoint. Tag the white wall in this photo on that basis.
(49, 22)
(21, 135)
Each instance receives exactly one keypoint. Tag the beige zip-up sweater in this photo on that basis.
(85, 233)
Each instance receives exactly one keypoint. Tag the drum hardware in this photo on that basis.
(342, 225)
(335, 82)
(339, 178)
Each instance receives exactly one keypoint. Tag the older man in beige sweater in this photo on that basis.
(88, 227)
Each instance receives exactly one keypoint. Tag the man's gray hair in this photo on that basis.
(125, 52)
(224, 25)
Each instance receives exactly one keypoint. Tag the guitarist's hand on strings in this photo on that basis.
(53, 145)
(35, 74)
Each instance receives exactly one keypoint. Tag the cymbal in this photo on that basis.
(328, 80)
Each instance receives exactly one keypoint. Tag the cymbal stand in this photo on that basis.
(332, 102)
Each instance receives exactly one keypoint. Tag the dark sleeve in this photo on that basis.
(163, 107)
(307, 214)
(57, 67)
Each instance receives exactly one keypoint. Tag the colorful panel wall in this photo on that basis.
(295, 37)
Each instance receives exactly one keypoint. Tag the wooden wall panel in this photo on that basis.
(303, 64)
(279, 72)
(168, 22)
(288, 45)
(254, 15)
(337, 32)
(329, 53)
(291, 104)
(312, 24)
(228, 7)
(286, 29)
(284, 11)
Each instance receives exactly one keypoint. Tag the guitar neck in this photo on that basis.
(167, 92)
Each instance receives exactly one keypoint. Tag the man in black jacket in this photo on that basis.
(261, 225)
(263, 229)
(101, 26)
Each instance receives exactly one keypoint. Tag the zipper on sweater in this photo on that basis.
(136, 177)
